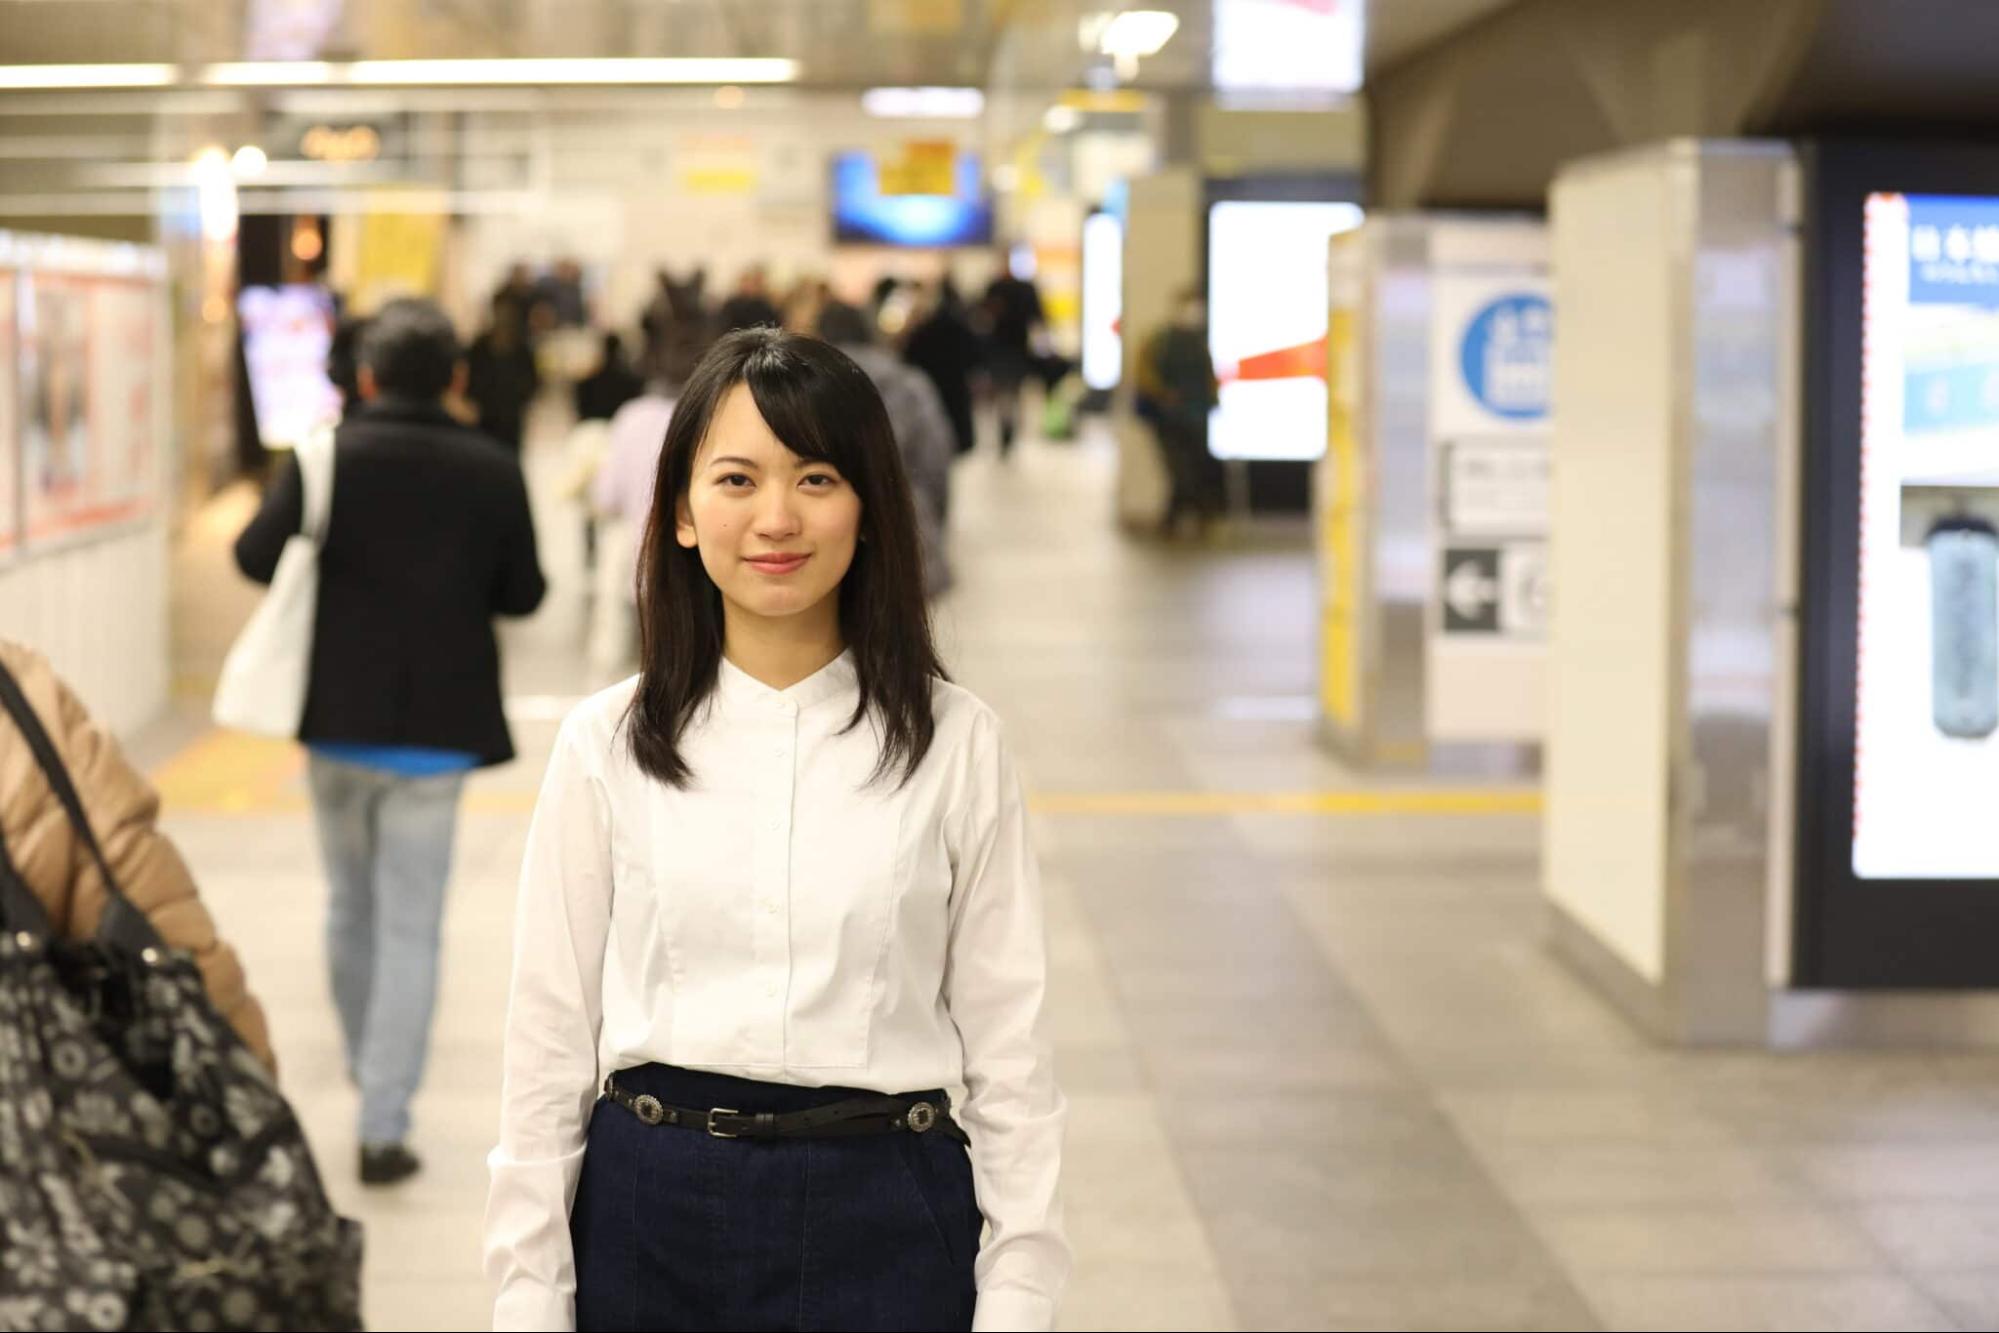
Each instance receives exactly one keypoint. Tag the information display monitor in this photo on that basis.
(1898, 847)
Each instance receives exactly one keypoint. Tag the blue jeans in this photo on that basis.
(386, 841)
(673, 1229)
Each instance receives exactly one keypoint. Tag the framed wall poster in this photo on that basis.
(87, 413)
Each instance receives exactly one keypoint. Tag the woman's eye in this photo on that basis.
(735, 480)
(822, 480)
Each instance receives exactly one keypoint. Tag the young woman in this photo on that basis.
(778, 897)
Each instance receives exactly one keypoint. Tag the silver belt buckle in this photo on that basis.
(647, 1108)
(718, 1133)
(921, 1117)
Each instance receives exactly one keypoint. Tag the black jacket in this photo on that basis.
(428, 539)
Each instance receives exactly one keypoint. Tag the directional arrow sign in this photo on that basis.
(1471, 591)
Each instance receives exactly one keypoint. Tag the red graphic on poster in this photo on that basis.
(1305, 361)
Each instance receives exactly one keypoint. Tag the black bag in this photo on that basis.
(151, 1174)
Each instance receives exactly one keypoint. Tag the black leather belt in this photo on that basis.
(856, 1115)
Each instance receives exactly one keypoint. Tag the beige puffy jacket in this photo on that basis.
(122, 807)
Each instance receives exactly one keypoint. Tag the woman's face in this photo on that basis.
(776, 532)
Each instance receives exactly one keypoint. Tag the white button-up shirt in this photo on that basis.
(779, 919)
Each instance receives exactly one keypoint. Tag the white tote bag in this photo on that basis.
(265, 675)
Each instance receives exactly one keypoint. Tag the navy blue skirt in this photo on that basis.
(674, 1229)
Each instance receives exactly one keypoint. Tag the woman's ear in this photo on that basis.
(683, 524)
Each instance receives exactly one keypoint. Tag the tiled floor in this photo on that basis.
(1324, 1074)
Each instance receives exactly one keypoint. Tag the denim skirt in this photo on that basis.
(674, 1229)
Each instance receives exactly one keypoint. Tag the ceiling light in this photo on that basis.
(268, 73)
(85, 76)
(456, 73)
(1059, 119)
(1138, 32)
(924, 103)
(250, 160)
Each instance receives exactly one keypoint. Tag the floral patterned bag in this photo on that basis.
(151, 1174)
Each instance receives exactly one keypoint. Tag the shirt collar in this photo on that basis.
(836, 680)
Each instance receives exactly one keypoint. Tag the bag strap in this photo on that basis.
(122, 923)
(20, 910)
(315, 473)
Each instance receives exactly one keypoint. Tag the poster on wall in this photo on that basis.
(1267, 304)
(87, 416)
(1491, 370)
(1926, 700)
(10, 453)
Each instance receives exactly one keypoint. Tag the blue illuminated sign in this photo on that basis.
(1508, 356)
(863, 214)
(1953, 250)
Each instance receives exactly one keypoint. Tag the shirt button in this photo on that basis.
(771, 991)
(771, 908)
(777, 751)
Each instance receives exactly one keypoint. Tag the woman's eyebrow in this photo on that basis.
(732, 460)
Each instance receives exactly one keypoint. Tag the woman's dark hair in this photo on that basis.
(411, 348)
(822, 407)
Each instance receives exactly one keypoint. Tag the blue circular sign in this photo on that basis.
(1508, 356)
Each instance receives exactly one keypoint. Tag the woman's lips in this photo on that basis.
(772, 564)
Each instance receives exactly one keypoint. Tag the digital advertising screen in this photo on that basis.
(286, 333)
(864, 215)
(1926, 705)
(1267, 317)
(1895, 855)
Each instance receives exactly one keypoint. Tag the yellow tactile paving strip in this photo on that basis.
(229, 773)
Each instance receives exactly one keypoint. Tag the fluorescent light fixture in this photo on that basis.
(1274, 48)
(269, 73)
(1138, 32)
(14, 77)
(924, 103)
(250, 160)
(1060, 119)
(455, 73)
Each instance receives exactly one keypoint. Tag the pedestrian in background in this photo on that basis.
(922, 431)
(429, 538)
(621, 495)
(1177, 393)
(501, 376)
(614, 383)
(750, 307)
(1013, 318)
(942, 345)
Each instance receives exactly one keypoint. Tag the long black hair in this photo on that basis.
(822, 407)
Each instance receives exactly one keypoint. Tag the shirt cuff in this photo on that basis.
(527, 1307)
(1013, 1310)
